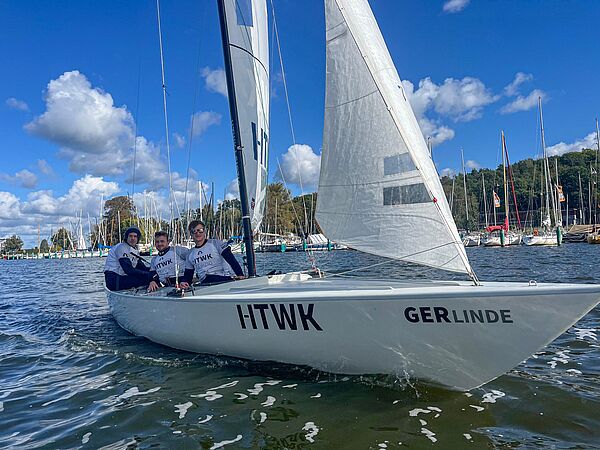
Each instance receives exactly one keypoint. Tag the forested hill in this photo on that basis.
(527, 180)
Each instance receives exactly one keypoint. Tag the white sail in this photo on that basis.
(379, 191)
(247, 28)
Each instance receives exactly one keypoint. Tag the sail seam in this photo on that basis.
(353, 100)
(251, 55)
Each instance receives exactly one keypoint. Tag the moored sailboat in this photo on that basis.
(458, 334)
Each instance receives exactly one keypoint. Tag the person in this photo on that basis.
(211, 259)
(124, 268)
(164, 263)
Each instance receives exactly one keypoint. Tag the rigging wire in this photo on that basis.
(164, 89)
(191, 137)
(289, 110)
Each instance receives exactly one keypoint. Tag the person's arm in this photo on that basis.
(141, 266)
(129, 269)
(188, 275)
(235, 265)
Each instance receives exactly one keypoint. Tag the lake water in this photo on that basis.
(71, 377)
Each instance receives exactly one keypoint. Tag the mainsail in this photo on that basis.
(247, 31)
(379, 191)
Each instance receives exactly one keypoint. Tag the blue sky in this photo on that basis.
(80, 79)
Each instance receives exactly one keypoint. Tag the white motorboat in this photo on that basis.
(379, 193)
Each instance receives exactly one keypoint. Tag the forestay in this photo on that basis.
(247, 28)
(379, 191)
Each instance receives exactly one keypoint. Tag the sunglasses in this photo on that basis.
(198, 231)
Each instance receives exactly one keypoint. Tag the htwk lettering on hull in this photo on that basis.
(267, 316)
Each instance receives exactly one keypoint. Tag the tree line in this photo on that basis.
(285, 214)
(527, 176)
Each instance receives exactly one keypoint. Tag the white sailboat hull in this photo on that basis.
(509, 239)
(449, 333)
(542, 239)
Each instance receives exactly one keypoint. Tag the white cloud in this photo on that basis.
(233, 190)
(17, 104)
(448, 172)
(472, 165)
(300, 166)
(523, 103)
(462, 100)
(454, 6)
(9, 206)
(203, 120)
(513, 88)
(43, 208)
(215, 80)
(45, 167)
(84, 195)
(23, 178)
(561, 148)
(83, 120)
(179, 140)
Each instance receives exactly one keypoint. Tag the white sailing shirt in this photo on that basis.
(164, 265)
(122, 250)
(207, 260)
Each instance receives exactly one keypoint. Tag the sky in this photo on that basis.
(81, 89)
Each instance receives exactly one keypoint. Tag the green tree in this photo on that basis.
(44, 247)
(279, 217)
(62, 239)
(119, 214)
(13, 244)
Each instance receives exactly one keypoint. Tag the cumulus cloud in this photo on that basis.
(472, 165)
(233, 190)
(178, 140)
(523, 103)
(203, 120)
(512, 89)
(17, 104)
(461, 100)
(43, 207)
(23, 178)
(215, 80)
(561, 148)
(300, 165)
(44, 167)
(448, 172)
(82, 119)
(454, 6)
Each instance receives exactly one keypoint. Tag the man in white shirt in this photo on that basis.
(124, 268)
(211, 259)
(169, 259)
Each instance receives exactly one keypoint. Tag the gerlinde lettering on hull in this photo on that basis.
(440, 314)
(266, 316)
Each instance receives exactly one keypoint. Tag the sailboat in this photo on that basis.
(378, 184)
(501, 235)
(549, 196)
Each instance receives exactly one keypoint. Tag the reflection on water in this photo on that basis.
(72, 377)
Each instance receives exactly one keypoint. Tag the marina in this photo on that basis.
(65, 361)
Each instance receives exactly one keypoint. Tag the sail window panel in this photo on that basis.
(399, 163)
(407, 194)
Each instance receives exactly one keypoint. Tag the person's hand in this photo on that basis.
(153, 286)
(184, 285)
(239, 277)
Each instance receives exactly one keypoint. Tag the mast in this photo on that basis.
(505, 183)
(596, 170)
(581, 205)
(484, 200)
(248, 244)
(462, 157)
